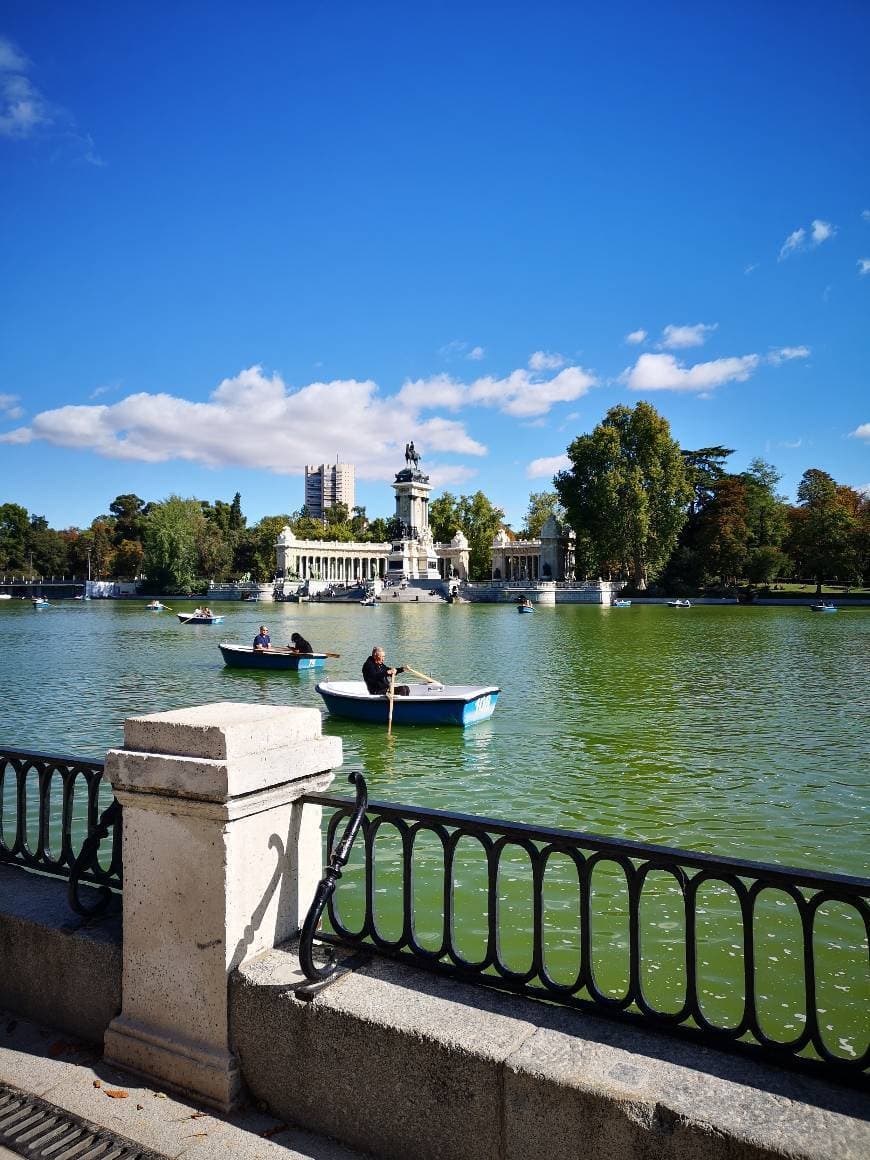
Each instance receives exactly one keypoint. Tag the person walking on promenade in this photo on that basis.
(377, 676)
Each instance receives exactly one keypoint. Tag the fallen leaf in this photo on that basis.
(138, 1107)
(196, 1135)
(198, 1115)
(98, 1083)
(116, 1093)
(160, 1095)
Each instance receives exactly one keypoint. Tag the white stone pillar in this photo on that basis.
(220, 863)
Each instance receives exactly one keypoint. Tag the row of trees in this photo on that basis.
(643, 508)
(647, 510)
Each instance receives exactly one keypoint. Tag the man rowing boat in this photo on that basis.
(377, 676)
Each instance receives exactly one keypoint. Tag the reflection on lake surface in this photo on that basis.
(735, 730)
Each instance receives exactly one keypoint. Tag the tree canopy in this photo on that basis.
(626, 493)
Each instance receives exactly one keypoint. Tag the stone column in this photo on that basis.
(220, 863)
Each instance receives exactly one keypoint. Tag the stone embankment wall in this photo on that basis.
(56, 968)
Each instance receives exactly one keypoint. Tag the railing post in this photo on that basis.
(220, 863)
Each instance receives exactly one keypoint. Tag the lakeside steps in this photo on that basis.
(196, 983)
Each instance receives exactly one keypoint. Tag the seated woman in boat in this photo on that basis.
(299, 644)
(262, 640)
(377, 676)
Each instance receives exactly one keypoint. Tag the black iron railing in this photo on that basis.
(57, 815)
(751, 957)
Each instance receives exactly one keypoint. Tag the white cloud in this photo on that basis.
(792, 444)
(750, 268)
(662, 372)
(787, 353)
(542, 360)
(793, 242)
(23, 109)
(9, 408)
(862, 432)
(863, 266)
(548, 466)
(865, 214)
(448, 475)
(255, 420)
(460, 349)
(679, 337)
(819, 231)
(635, 337)
(523, 393)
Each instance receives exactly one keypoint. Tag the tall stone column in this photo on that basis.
(220, 863)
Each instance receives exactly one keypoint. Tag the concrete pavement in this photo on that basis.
(73, 1077)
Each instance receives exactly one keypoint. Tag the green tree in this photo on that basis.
(626, 491)
(172, 531)
(824, 529)
(128, 515)
(703, 468)
(767, 512)
(542, 505)
(480, 520)
(723, 531)
(444, 520)
(129, 555)
(266, 534)
(14, 530)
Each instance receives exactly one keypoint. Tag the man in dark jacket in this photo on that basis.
(377, 676)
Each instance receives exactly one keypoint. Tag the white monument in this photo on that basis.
(412, 552)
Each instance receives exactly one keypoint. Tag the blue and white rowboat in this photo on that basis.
(240, 656)
(427, 705)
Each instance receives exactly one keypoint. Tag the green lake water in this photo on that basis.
(731, 730)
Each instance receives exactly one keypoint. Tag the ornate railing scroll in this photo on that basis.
(420, 880)
(326, 887)
(56, 816)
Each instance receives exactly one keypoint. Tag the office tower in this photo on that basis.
(326, 485)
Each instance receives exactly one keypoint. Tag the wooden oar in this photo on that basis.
(391, 694)
(422, 676)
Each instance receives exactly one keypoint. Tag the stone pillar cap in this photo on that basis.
(221, 731)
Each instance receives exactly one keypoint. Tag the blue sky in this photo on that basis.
(236, 239)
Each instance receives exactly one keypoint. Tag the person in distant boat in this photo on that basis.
(377, 676)
(262, 640)
(207, 611)
(300, 644)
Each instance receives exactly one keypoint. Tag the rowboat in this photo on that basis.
(823, 606)
(40, 602)
(155, 606)
(526, 606)
(241, 656)
(621, 604)
(679, 604)
(192, 618)
(5, 596)
(369, 602)
(427, 704)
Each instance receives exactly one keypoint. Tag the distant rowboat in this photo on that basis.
(823, 606)
(192, 618)
(240, 656)
(427, 704)
(679, 604)
(621, 604)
